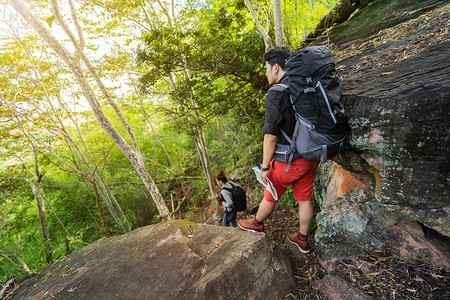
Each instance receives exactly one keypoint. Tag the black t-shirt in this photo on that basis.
(279, 114)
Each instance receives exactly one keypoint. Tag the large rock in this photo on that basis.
(174, 260)
(394, 59)
(355, 221)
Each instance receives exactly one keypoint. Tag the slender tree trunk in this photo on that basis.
(201, 153)
(39, 193)
(198, 137)
(173, 205)
(21, 262)
(108, 194)
(55, 215)
(147, 120)
(134, 156)
(36, 186)
(99, 208)
(278, 20)
(68, 250)
(43, 220)
(263, 32)
(104, 190)
(208, 172)
(219, 130)
(83, 159)
(202, 143)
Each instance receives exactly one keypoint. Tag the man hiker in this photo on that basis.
(280, 116)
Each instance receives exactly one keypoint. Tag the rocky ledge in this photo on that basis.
(172, 260)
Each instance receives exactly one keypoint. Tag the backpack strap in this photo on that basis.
(293, 141)
(229, 190)
(281, 87)
(327, 101)
(299, 121)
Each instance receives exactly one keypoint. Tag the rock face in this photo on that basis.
(174, 260)
(391, 189)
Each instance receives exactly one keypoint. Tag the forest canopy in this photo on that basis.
(117, 114)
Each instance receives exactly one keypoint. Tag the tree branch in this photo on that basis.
(267, 38)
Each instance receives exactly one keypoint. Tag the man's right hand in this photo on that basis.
(263, 175)
(269, 144)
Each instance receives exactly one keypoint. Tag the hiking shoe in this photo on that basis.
(300, 241)
(249, 225)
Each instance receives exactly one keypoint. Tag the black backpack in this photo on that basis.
(321, 130)
(238, 196)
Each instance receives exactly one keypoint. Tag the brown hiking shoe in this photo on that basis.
(250, 225)
(300, 242)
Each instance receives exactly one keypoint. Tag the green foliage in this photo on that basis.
(222, 55)
(301, 17)
(190, 215)
(288, 199)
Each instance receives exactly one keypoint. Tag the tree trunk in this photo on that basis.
(278, 20)
(83, 159)
(201, 143)
(106, 193)
(43, 220)
(205, 157)
(134, 156)
(263, 32)
(104, 190)
(197, 135)
(21, 262)
(147, 118)
(99, 208)
(340, 13)
(39, 194)
(35, 187)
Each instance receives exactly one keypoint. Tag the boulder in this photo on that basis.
(172, 260)
(391, 189)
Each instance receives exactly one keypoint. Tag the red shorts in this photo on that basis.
(300, 177)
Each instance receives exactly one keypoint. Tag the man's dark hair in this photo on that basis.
(278, 55)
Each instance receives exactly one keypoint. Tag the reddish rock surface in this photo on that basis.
(174, 260)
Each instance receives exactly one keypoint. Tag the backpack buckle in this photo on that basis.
(309, 90)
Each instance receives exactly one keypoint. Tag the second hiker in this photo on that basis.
(233, 199)
(280, 116)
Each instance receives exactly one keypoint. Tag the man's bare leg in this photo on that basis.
(305, 215)
(265, 210)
